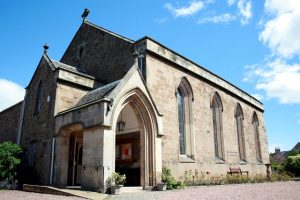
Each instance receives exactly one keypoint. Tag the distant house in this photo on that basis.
(296, 147)
(280, 156)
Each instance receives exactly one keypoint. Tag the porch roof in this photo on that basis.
(97, 94)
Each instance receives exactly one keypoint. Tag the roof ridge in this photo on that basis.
(108, 31)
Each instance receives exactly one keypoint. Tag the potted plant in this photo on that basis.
(116, 182)
(161, 183)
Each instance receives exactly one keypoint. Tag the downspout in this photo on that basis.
(52, 160)
(21, 117)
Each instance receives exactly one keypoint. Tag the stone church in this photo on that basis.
(131, 106)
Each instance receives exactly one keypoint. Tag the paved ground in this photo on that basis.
(261, 191)
(20, 195)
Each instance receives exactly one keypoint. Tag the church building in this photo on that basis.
(131, 106)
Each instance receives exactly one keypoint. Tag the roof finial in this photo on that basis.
(46, 47)
(85, 13)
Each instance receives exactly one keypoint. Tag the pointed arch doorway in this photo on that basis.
(135, 143)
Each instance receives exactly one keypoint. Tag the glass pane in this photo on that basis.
(181, 121)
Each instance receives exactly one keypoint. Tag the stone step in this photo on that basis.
(132, 189)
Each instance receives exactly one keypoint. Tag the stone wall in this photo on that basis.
(105, 55)
(37, 131)
(66, 95)
(9, 121)
(163, 78)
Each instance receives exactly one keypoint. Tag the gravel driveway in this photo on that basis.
(260, 191)
(20, 195)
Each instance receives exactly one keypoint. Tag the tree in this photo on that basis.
(9, 160)
(292, 164)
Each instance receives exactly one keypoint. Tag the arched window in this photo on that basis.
(184, 96)
(181, 121)
(239, 117)
(255, 125)
(217, 109)
(38, 101)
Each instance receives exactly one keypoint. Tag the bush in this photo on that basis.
(116, 179)
(277, 167)
(9, 160)
(172, 183)
(292, 164)
(205, 178)
(279, 177)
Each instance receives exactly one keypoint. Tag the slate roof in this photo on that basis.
(297, 147)
(97, 94)
(70, 68)
(279, 157)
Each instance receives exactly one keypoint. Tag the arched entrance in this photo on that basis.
(128, 143)
(135, 143)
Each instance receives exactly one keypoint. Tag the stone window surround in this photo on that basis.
(186, 90)
(80, 50)
(239, 116)
(217, 106)
(39, 96)
(255, 124)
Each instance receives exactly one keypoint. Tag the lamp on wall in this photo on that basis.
(121, 124)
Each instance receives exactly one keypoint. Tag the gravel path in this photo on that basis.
(260, 191)
(20, 195)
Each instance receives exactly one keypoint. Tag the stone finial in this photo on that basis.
(85, 13)
(46, 47)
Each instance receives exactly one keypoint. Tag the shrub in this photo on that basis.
(279, 177)
(236, 179)
(9, 160)
(292, 164)
(194, 178)
(116, 179)
(172, 183)
(277, 167)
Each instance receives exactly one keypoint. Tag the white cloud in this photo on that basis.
(191, 9)
(222, 18)
(282, 33)
(298, 121)
(230, 2)
(279, 74)
(10, 93)
(244, 7)
(278, 79)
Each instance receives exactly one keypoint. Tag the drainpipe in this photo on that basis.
(20, 124)
(52, 160)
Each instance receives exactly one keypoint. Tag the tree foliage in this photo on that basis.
(292, 164)
(9, 160)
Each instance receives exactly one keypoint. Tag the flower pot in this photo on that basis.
(116, 189)
(161, 186)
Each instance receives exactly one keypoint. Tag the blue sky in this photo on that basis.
(253, 44)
